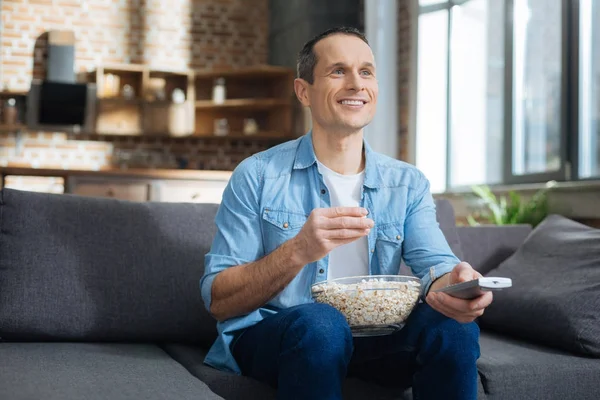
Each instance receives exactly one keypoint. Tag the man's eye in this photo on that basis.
(366, 73)
(338, 71)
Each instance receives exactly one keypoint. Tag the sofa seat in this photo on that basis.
(59, 371)
(231, 386)
(510, 368)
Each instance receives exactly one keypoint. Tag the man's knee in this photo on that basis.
(454, 342)
(321, 330)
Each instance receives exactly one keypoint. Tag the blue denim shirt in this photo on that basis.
(268, 199)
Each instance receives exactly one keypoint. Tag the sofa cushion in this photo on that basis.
(65, 371)
(96, 269)
(447, 223)
(555, 298)
(487, 246)
(236, 387)
(512, 369)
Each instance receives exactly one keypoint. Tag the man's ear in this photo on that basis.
(301, 88)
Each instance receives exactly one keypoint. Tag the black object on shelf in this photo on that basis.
(62, 103)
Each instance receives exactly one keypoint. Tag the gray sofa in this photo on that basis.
(99, 299)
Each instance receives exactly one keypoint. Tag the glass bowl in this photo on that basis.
(372, 304)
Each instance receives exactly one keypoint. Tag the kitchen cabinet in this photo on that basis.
(132, 191)
(207, 191)
(159, 185)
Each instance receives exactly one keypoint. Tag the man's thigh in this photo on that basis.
(257, 351)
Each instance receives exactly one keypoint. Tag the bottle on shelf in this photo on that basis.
(219, 91)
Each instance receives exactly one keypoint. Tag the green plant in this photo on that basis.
(512, 209)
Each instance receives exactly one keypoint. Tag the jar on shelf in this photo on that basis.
(219, 91)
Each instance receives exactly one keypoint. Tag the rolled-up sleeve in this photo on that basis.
(426, 250)
(238, 237)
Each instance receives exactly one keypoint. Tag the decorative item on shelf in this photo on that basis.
(178, 96)
(219, 91)
(128, 92)
(10, 116)
(157, 89)
(111, 86)
(250, 127)
(221, 127)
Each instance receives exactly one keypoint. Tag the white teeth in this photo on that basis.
(353, 102)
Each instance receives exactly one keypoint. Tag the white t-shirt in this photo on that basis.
(350, 259)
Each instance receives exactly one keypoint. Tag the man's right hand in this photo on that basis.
(328, 228)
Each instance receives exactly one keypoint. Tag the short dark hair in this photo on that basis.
(307, 59)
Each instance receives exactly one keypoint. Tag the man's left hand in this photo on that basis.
(463, 311)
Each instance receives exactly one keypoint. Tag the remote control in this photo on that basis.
(475, 288)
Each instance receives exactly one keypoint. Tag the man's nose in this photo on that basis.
(354, 81)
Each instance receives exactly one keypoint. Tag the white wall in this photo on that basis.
(381, 31)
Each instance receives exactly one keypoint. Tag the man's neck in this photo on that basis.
(342, 153)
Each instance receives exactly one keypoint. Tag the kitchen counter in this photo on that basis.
(171, 174)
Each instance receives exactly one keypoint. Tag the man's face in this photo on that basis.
(343, 96)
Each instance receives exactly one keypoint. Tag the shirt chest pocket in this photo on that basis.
(279, 226)
(388, 247)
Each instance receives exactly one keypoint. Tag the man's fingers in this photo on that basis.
(451, 313)
(463, 306)
(342, 234)
(464, 272)
(459, 309)
(333, 212)
(348, 223)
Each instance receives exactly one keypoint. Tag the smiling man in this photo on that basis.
(325, 206)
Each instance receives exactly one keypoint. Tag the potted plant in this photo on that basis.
(510, 210)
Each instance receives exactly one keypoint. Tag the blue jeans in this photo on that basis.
(307, 351)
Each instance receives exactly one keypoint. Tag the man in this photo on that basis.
(325, 206)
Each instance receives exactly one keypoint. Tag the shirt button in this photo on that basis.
(398, 237)
(323, 191)
(321, 271)
(372, 250)
(285, 224)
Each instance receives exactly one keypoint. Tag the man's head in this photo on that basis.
(336, 79)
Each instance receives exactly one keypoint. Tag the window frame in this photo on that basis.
(569, 107)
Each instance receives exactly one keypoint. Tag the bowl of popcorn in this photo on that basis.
(373, 305)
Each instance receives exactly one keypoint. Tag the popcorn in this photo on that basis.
(370, 302)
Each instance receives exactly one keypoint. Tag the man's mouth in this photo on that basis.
(352, 102)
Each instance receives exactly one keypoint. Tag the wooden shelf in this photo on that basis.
(249, 72)
(12, 128)
(261, 136)
(13, 94)
(248, 104)
(121, 100)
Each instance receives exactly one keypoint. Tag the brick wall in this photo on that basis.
(404, 52)
(184, 34)
(163, 34)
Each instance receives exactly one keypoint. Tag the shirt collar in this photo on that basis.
(305, 157)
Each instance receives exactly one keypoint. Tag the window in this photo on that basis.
(589, 88)
(476, 93)
(537, 79)
(432, 97)
(460, 93)
(516, 99)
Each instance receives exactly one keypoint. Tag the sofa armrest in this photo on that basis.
(486, 246)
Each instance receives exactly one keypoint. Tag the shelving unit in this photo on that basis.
(261, 93)
(18, 124)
